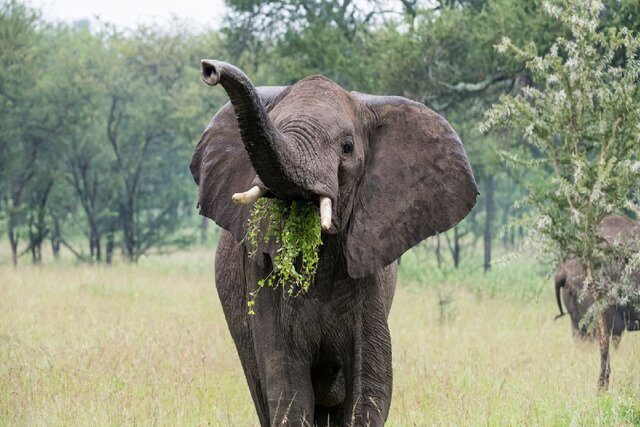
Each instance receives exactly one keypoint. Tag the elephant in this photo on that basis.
(384, 172)
(570, 276)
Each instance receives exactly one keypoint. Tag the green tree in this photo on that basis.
(31, 122)
(85, 160)
(582, 121)
(147, 78)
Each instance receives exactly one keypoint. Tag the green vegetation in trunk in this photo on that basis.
(295, 228)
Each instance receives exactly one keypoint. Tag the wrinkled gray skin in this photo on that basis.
(396, 173)
(570, 277)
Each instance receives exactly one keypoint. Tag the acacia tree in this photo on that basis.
(582, 123)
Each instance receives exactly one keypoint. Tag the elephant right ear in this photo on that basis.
(417, 181)
(221, 167)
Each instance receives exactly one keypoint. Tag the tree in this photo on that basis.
(30, 121)
(581, 121)
(147, 81)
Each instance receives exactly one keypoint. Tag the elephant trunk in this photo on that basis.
(264, 143)
(559, 284)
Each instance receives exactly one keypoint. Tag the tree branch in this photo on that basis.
(476, 87)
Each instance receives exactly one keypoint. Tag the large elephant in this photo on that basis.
(385, 172)
(570, 276)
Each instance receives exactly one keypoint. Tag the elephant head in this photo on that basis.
(386, 172)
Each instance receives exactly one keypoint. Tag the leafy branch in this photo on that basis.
(295, 227)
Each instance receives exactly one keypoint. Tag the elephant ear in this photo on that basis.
(417, 182)
(221, 167)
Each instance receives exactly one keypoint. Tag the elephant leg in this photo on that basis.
(376, 373)
(615, 340)
(231, 286)
(289, 391)
(617, 327)
(370, 391)
(370, 381)
(284, 343)
(329, 417)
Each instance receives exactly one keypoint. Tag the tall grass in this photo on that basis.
(148, 344)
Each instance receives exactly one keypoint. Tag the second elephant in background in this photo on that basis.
(570, 276)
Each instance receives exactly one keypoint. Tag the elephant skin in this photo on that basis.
(395, 173)
(569, 279)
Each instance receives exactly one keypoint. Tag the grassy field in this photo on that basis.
(147, 344)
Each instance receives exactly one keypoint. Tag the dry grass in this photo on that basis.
(148, 344)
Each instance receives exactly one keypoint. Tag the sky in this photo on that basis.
(127, 13)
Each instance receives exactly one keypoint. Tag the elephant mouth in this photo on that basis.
(324, 204)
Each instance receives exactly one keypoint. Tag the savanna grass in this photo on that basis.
(148, 344)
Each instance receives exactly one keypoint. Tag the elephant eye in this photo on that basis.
(347, 147)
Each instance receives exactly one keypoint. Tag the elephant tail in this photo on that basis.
(560, 280)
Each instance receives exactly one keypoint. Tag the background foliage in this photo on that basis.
(99, 123)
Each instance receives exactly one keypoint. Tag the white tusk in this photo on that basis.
(325, 213)
(248, 196)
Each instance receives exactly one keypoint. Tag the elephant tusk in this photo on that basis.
(325, 213)
(249, 196)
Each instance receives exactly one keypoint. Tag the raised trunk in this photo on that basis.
(264, 143)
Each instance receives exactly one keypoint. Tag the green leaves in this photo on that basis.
(295, 228)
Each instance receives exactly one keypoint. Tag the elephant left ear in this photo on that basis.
(417, 181)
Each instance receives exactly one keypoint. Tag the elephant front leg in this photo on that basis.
(373, 379)
(231, 285)
(289, 391)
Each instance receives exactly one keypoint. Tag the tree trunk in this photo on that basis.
(37, 223)
(605, 366)
(128, 232)
(603, 336)
(109, 249)
(13, 241)
(488, 224)
(456, 247)
(55, 239)
(94, 244)
(438, 254)
(507, 237)
(32, 245)
(33, 241)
